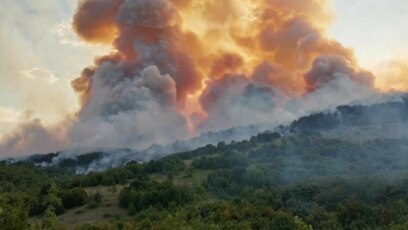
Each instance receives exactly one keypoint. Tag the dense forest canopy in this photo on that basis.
(301, 180)
(345, 169)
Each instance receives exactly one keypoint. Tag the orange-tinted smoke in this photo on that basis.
(273, 42)
(95, 20)
(125, 25)
(393, 75)
(287, 34)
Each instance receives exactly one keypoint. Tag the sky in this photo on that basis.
(39, 57)
(375, 29)
(40, 54)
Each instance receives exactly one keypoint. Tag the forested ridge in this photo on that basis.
(298, 181)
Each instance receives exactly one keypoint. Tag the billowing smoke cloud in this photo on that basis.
(32, 137)
(126, 112)
(183, 67)
(327, 69)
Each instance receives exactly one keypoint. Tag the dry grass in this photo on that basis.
(109, 209)
(106, 210)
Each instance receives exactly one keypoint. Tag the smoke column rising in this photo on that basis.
(181, 67)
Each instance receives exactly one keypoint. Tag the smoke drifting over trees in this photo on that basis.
(179, 68)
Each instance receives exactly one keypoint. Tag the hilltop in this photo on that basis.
(356, 123)
(300, 178)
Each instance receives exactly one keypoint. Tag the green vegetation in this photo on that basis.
(145, 193)
(300, 181)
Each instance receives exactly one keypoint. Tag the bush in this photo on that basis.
(97, 197)
(142, 194)
(223, 161)
(74, 198)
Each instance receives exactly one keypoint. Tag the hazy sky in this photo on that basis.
(40, 55)
(375, 29)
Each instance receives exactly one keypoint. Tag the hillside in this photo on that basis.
(355, 116)
(386, 120)
(298, 181)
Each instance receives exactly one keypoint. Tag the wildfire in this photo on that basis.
(208, 53)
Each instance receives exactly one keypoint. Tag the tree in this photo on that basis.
(50, 221)
(13, 213)
(132, 209)
(97, 197)
(52, 198)
(74, 198)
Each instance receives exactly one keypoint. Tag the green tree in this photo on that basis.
(97, 197)
(13, 213)
(132, 209)
(52, 198)
(74, 198)
(50, 221)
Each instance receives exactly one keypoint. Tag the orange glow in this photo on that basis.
(393, 76)
(271, 42)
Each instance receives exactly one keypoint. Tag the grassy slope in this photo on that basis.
(109, 208)
(291, 156)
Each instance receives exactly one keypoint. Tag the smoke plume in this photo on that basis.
(179, 68)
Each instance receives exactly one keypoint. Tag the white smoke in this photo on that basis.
(128, 113)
